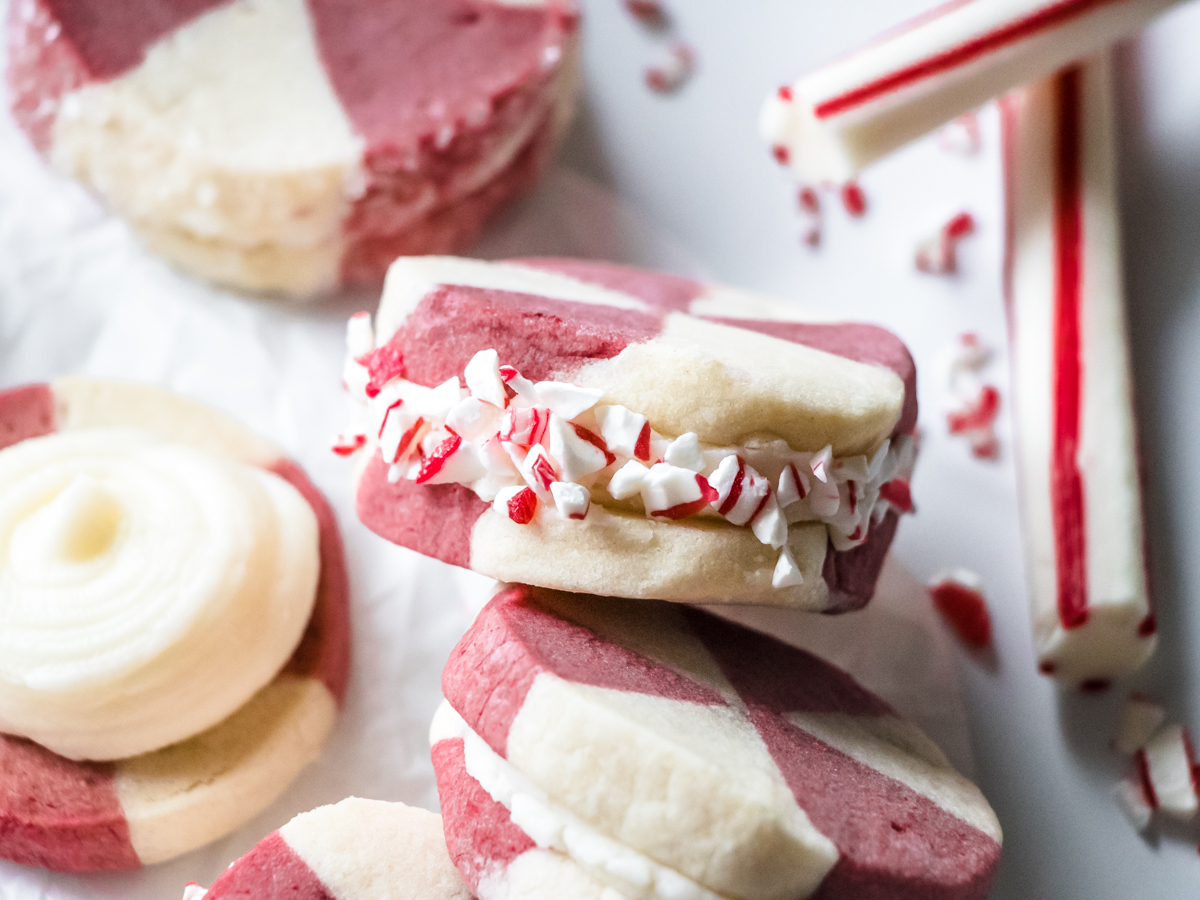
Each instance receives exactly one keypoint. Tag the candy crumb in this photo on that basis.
(958, 596)
(348, 444)
(937, 254)
(672, 75)
(853, 199)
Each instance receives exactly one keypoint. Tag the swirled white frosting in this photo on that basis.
(147, 590)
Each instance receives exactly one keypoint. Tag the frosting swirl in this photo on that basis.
(147, 589)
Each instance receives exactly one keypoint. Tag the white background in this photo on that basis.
(682, 183)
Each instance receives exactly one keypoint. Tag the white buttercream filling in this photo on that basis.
(147, 589)
(511, 440)
(554, 828)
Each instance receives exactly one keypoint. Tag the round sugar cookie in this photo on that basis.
(292, 145)
(658, 751)
(84, 816)
(742, 374)
(352, 850)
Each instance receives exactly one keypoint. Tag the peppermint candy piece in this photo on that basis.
(628, 480)
(578, 452)
(453, 461)
(624, 431)
(674, 493)
(518, 503)
(571, 500)
(482, 376)
(685, 452)
(568, 401)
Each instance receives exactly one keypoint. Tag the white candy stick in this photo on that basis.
(839, 119)
(1077, 448)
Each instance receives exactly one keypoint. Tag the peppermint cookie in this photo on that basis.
(189, 644)
(600, 748)
(591, 428)
(353, 850)
(289, 145)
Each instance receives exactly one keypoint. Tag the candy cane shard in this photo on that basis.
(839, 119)
(1077, 445)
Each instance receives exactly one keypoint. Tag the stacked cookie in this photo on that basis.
(614, 443)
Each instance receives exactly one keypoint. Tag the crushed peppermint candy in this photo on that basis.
(853, 199)
(974, 405)
(938, 253)
(674, 73)
(550, 448)
(348, 444)
(958, 596)
(809, 202)
(193, 891)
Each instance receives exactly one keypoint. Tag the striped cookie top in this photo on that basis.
(742, 765)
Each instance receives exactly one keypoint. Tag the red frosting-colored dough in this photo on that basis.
(111, 36)
(271, 870)
(63, 814)
(669, 292)
(491, 669)
(58, 813)
(542, 338)
(402, 70)
(435, 520)
(480, 834)
(373, 244)
(476, 68)
(25, 412)
(324, 650)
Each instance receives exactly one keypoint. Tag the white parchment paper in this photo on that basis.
(78, 294)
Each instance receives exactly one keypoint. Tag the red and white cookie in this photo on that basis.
(353, 850)
(628, 433)
(289, 145)
(591, 745)
(72, 814)
(1077, 432)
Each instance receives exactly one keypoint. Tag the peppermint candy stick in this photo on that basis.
(841, 118)
(1077, 446)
